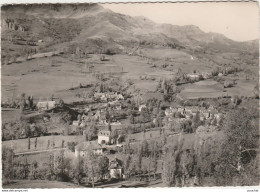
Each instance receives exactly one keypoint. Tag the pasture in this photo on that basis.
(42, 77)
(203, 89)
(21, 145)
(242, 88)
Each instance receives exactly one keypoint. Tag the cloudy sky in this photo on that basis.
(236, 20)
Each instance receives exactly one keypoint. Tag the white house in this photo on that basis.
(76, 123)
(104, 137)
(84, 148)
(116, 168)
(45, 105)
(142, 107)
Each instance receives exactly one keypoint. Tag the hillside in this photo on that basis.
(28, 29)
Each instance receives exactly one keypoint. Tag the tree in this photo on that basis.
(31, 102)
(66, 129)
(171, 164)
(50, 167)
(169, 168)
(91, 167)
(132, 119)
(78, 170)
(93, 131)
(7, 163)
(29, 143)
(33, 174)
(103, 165)
(35, 143)
(127, 162)
(62, 167)
(71, 146)
(145, 149)
(241, 128)
(139, 161)
(22, 102)
(196, 121)
(256, 90)
(61, 103)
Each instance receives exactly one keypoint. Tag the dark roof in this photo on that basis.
(116, 164)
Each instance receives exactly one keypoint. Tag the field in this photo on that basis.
(43, 77)
(213, 89)
(204, 89)
(32, 184)
(242, 88)
(9, 115)
(21, 145)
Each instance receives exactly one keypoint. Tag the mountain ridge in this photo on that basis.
(92, 21)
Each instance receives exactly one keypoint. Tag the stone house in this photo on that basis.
(45, 105)
(116, 168)
(104, 137)
(82, 149)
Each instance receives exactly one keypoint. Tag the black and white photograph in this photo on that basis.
(130, 95)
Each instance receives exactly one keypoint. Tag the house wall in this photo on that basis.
(98, 151)
(103, 138)
(115, 172)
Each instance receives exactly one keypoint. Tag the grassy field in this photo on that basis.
(242, 88)
(21, 145)
(42, 77)
(9, 115)
(204, 89)
(44, 184)
(163, 53)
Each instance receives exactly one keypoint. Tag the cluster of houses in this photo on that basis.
(102, 147)
(198, 76)
(189, 111)
(105, 97)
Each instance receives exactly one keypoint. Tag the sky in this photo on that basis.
(236, 20)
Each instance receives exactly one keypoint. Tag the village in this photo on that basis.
(112, 136)
(111, 126)
(98, 99)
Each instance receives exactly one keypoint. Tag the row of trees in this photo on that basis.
(57, 167)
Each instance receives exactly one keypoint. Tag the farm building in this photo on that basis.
(193, 76)
(84, 148)
(46, 105)
(116, 168)
(104, 137)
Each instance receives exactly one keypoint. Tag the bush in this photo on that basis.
(71, 145)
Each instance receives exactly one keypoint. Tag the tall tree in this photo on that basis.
(35, 143)
(127, 162)
(196, 121)
(103, 165)
(7, 163)
(29, 143)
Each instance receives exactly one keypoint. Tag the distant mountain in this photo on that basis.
(93, 27)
